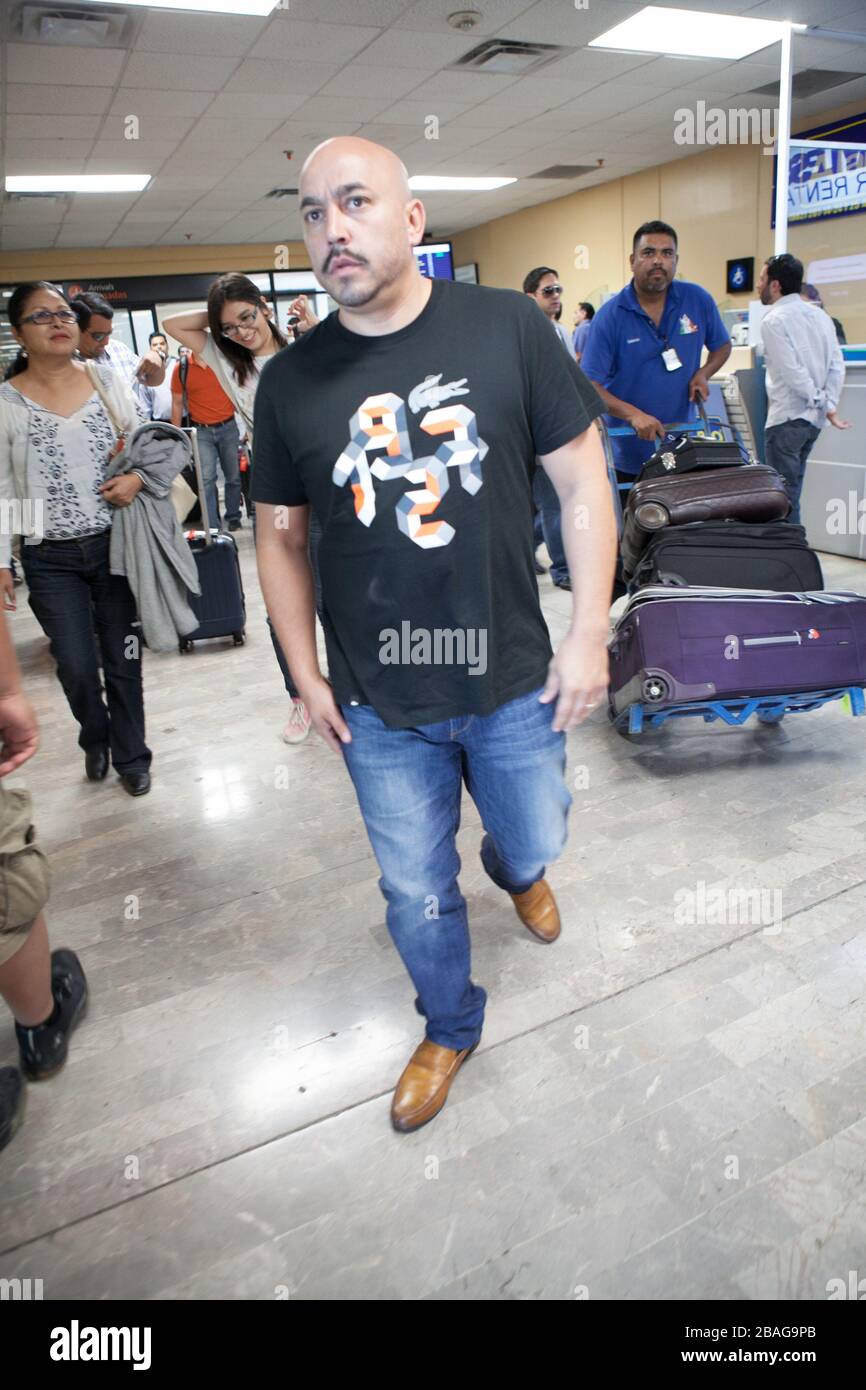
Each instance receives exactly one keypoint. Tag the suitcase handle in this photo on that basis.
(199, 483)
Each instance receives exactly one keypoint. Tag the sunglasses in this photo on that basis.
(231, 330)
(43, 316)
(100, 337)
(548, 290)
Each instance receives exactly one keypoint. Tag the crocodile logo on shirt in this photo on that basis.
(380, 423)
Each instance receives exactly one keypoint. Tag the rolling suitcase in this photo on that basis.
(221, 608)
(752, 492)
(716, 644)
(731, 555)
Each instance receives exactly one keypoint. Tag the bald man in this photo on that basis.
(410, 421)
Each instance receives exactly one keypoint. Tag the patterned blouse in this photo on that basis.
(67, 461)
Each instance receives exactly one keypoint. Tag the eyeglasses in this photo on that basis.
(548, 290)
(100, 337)
(43, 316)
(231, 330)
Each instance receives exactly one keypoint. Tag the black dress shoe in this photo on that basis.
(43, 1049)
(136, 783)
(563, 584)
(11, 1103)
(96, 764)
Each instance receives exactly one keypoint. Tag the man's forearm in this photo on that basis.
(716, 359)
(10, 674)
(613, 405)
(286, 578)
(589, 537)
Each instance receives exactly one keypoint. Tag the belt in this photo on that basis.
(212, 424)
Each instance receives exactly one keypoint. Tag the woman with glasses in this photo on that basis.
(236, 336)
(56, 439)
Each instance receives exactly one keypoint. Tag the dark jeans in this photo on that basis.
(218, 444)
(409, 785)
(550, 512)
(88, 615)
(787, 448)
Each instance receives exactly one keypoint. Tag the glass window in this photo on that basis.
(121, 328)
(261, 282)
(143, 324)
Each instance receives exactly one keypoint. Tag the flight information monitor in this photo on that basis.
(435, 260)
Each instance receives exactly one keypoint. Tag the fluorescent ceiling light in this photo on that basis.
(436, 183)
(254, 7)
(691, 34)
(76, 183)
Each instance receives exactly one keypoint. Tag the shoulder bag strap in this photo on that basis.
(120, 430)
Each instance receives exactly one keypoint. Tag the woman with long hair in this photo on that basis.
(56, 440)
(236, 336)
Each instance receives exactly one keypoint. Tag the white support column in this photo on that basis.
(783, 145)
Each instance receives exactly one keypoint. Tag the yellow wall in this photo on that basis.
(718, 200)
(119, 262)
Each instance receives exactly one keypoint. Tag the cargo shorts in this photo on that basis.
(25, 878)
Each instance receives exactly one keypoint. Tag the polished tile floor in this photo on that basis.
(668, 1103)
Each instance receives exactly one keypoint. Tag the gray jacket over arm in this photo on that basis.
(147, 544)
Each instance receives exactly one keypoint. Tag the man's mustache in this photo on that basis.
(336, 255)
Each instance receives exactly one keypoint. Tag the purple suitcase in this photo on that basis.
(716, 644)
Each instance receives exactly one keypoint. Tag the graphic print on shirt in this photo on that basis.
(380, 422)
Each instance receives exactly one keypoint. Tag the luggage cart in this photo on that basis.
(769, 709)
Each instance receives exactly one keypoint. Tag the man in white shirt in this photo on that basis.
(95, 317)
(805, 373)
(162, 398)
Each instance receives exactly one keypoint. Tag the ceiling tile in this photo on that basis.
(402, 49)
(64, 67)
(237, 106)
(341, 112)
(357, 80)
(260, 75)
(158, 72)
(17, 239)
(49, 126)
(81, 238)
(60, 156)
(431, 16)
(197, 33)
(551, 21)
(37, 100)
(287, 37)
(140, 100)
(415, 113)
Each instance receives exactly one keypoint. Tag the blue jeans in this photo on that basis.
(218, 444)
(787, 448)
(409, 784)
(550, 511)
(88, 615)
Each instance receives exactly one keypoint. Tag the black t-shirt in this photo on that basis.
(416, 451)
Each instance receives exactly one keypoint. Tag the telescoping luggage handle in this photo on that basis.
(705, 425)
(199, 484)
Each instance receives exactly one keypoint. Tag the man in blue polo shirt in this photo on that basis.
(644, 352)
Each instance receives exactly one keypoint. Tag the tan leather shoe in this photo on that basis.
(537, 910)
(423, 1088)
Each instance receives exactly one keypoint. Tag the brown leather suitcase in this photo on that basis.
(753, 492)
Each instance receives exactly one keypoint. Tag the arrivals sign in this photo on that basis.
(144, 289)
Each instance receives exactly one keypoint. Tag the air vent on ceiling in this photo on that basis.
(49, 200)
(282, 193)
(809, 83)
(509, 56)
(65, 24)
(564, 171)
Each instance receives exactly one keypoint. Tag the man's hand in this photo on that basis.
(325, 713)
(699, 387)
(304, 310)
(151, 368)
(122, 490)
(577, 678)
(646, 426)
(18, 730)
(833, 418)
(7, 588)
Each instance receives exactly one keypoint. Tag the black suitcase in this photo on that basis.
(687, 453)
(221, 607)
(731, 555)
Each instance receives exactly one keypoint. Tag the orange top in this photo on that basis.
(208, 402)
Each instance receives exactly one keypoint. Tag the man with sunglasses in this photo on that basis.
(542, 285)
(95, 316)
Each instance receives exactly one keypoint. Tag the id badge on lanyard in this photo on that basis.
(671, 359)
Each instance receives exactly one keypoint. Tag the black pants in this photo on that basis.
(89, 617)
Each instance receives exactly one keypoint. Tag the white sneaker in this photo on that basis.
(299, 724)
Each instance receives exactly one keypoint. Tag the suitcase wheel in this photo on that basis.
(184, 646)
(238, 638)
(654, 689)
(652, 516)
(770, 718)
